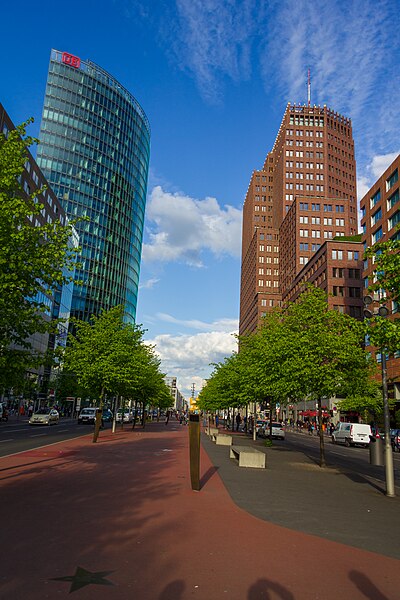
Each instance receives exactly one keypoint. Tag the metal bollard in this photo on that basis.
(376, 451)
(194, 449)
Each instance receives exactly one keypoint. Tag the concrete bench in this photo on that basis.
(221, 439)
(248, 456)
(212, 431)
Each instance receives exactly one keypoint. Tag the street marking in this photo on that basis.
(38, 435)
(9, 440)
(12, 430)
(62, 430)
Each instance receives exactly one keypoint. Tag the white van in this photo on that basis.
(352, 434)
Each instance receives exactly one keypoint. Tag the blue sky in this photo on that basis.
(214, 78)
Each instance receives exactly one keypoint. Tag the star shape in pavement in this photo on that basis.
(83, 577)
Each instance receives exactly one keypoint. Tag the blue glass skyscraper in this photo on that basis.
(94, 150)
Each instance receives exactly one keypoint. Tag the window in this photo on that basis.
(315, 220)
(338, 290)
(315, 233)
(354, 292)
(376, 216)
(303, 246)
(390, 181)
(355, 311)
(263, 302)
(303, 232)
(327, 221)
(304, 220)
(394, 220)
(261, 248)
(299, 176)
(303, 260)
(337, 272)
(328, 235)
(393, 199)
(299, 186)
(315, 207)
(261, 271)
(299, 154)
(261, 259)
(375, 198)
(354, 274)
(261, 283)
(377, 235)
(339, 208)
(337, 255)
(303, 205)
(339, 222)
(328, 208)
(315, 247)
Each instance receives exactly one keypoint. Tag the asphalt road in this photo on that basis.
(19, 436)
(355, 458)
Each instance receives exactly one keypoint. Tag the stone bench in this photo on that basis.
(221, 439)
(212, 431)
(248, 456)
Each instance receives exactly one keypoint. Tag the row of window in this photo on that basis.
(304, 220)
(306, 132)
(351, 255)
(264, 248)
(268, 283)
(300, 186)
(307, 144)
(316, 233)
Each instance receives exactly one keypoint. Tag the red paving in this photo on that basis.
(124, 506)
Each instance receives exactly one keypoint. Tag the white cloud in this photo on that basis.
(188, 357)
(212, 40)
(149, 284)
(381, 162)
(181, 228)
(226, 325)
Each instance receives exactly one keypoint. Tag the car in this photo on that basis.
(45, 416)
(352, 434)
(128, 416)
(87, 415)
(260, 425)
(278, 431)
(395, 439)
(107, 415)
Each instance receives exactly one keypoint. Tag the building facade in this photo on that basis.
(94, 150)
(304, 196)
(58, 302)
(380, 210)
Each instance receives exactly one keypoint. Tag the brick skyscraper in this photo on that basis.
(304, 195)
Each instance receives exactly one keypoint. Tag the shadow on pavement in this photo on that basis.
(366, 586)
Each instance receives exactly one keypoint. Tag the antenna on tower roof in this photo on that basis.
(308, 88)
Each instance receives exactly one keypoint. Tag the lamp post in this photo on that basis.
(383, 312)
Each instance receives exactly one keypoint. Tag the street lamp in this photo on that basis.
(383, 312)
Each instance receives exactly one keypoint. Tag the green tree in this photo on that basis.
(32, 258)
(325, 353)
(386, 260)
(108, 356)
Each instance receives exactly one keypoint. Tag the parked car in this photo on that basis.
(45, 416)
(260, 425)
(87, 415)
(128, 416)
(278, 431)
(352, 434)
(395, 439)
(107, 415)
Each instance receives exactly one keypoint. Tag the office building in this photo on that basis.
(304, 196)
(380, 209)
(94, 151)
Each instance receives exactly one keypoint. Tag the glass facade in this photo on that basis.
(94, 150)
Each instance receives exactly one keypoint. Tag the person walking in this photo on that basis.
(238, 421)
(167, 417)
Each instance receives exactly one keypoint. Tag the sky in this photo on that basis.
(214, 78)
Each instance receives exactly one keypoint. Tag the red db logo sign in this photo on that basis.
(71, 60)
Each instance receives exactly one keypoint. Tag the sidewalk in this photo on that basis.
(121, 513)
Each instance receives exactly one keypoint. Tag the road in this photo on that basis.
(19, 436)
(355, 459)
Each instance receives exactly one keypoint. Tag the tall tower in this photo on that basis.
(304, 195)
(94, 151)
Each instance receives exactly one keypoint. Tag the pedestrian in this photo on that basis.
(216, 420)
(167, 417)
(238, 421)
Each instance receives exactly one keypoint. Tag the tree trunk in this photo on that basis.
(322, 462)
(143, 416)
(99, 416)
(134, 415)
(255, 422)
(114, 421)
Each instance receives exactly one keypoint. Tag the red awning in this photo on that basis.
(313, 413)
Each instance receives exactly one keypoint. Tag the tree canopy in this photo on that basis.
(34, 259)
